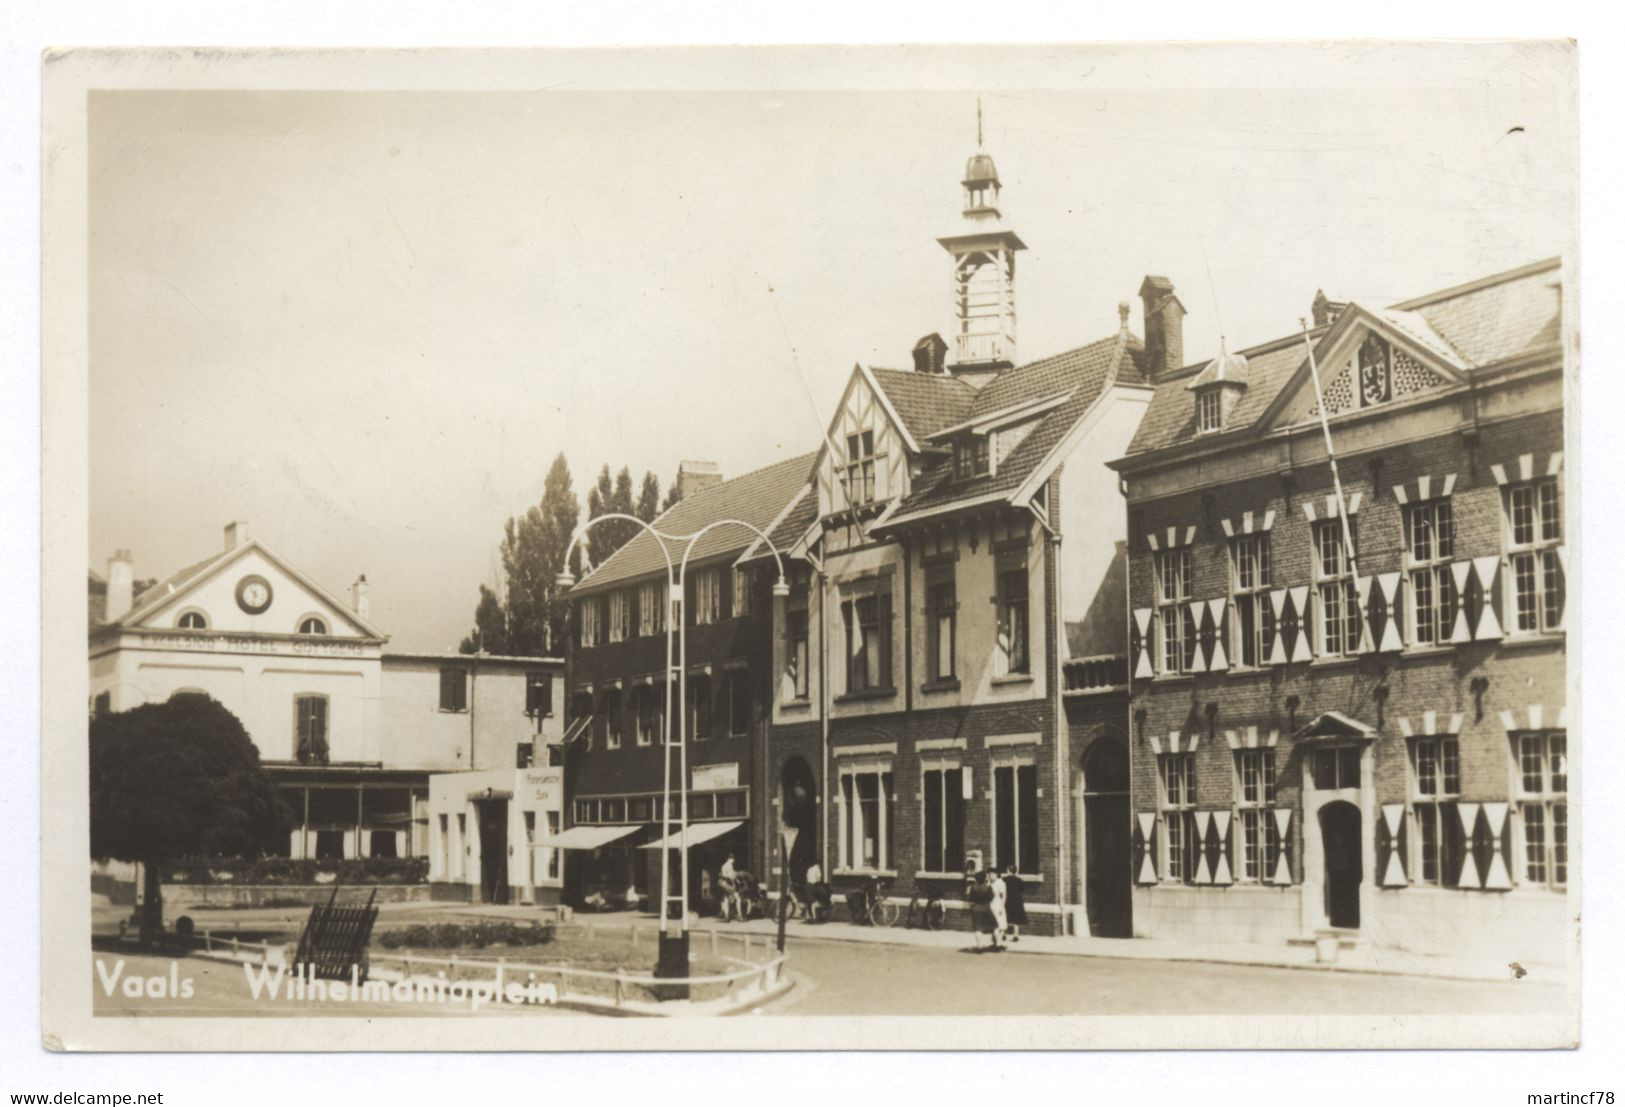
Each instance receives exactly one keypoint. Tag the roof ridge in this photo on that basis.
(1451, 293)
(810, 457)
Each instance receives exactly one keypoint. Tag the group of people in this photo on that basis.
(998, 906)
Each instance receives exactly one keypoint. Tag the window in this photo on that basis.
(445, 847)
(1543, 805)
(613, 711)
(1013, 634)
(454, 689)
(651, 607)
(1535, 532)
(462, 845)
(944, 804)
(312, 625)
(648, 701)
(868, 807)
(192, 620)
(868, 637)
(1336, 767)
(1015, 817)
(1430, 543)
(731, 805)
(1339, 615)
(707, 596)
(795, 653)
(1249, 586)
(973, 457)
(590, 613)
(620, 616)
(101, 705)
(640, 809)
(329, 845)
(310, 729)
(736, 687)
(699, 707)
(941, 609)
(1260, 841)
(586, 810)
(1208, 416)
(613, 810)
(740, 598)
(1178, 773)
(538, 694)
(1173, 609)
(860, 468)
(1435, 787)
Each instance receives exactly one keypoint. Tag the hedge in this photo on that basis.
(465, 935)
(285, 870)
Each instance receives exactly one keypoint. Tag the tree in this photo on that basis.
(609, 498)
(649, 498)
(529, 619)
(674, 491)
(178, 778)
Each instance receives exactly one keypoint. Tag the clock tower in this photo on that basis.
(984, 256)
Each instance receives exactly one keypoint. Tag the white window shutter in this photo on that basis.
(1145, 838)
(1278, 646)
(1390, 585)
(1485, 569)
(1204, 826)
(1283, 824)
(1470, 877)
(1302, 647)
(1461, 572)
(1217, 661)
(1198, 658)
(1143, 642)
(1221, 871)
(1496, 814)
(1392, 868)
(1362, 590)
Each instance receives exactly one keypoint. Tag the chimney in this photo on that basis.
(1164, 325)
(697, 476)
(236, 533)
(120, 584)
(931, 355)
(358, 596)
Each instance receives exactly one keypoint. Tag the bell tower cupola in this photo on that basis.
(984, 257)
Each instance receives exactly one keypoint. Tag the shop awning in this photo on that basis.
(698, 834)
(588, 837)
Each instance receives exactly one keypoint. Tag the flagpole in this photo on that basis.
(1326, 429)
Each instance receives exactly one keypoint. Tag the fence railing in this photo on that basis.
(755, 977)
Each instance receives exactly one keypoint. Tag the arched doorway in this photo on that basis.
(1340, 837)
(1107, 845)
(798, 805)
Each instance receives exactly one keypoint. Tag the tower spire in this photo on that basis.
(979, 123)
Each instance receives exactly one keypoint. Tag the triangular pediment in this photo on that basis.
(216, 593)
(1368, 359)
(864, 410)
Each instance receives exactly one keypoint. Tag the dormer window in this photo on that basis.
(860, 468)
(1208, 413)
(973, 456)
(312, 625)
(192, 620)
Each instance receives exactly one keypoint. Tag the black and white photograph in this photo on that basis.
(892, 548)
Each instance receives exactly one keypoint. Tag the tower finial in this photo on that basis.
(978, 122)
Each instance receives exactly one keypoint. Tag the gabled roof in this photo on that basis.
(925, 402)
(1080, 375)
(756, 498)
(1495, 319)
(169, 591)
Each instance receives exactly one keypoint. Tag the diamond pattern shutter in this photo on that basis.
(1391, 847)
(1140, 644)
(1301, 648)
(1217, 661)
(1470, 878)
(1277, 644)
(1222, 823)
(1497, 876)
(1388, 636)
(1283, 823)
(1145, 854)
(1488, 626)
(1204, 868)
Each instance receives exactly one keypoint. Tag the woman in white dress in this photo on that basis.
(1001, 918)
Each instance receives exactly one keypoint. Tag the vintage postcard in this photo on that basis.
(550, 549)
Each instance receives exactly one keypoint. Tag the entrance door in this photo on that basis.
(493, 851)
(1107, 846)
(1340, 831)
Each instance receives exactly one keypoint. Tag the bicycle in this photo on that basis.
(931, 913)
(870, 905)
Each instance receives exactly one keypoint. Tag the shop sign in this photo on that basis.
(709, 778)
(544, 787)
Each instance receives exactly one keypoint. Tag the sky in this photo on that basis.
(365, 322)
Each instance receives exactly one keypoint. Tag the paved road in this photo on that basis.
(844, 978)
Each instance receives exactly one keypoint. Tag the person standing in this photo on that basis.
(728, 878)
(979, 891)
(1001, 921)
(1015, 903)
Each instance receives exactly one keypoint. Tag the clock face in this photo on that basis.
(254, 594)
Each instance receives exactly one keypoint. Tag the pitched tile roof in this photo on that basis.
(926, 402)
(756, 498)
(1490, 320)
(1080, 375)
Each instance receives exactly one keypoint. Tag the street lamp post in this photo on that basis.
(673, 956)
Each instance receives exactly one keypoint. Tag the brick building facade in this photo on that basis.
(1360, 732)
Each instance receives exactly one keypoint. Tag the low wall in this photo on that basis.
(258, 895)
